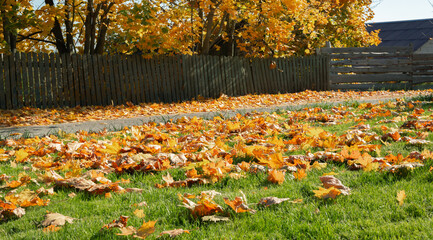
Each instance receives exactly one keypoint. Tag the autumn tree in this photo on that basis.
(72, 26)
(14, 15)
(251, 27)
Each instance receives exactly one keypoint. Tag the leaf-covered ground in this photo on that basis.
(358, 170)
(33, 116)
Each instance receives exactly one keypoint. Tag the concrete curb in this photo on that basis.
(117, 124)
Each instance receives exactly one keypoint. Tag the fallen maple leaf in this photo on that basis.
(119, 223)
(145, 230)
(174, 233)
(56, 219)
(51, 228)
(300, 174)
(126, 231)
(401, 195)
(324, 193)
(238, 205)
(331, 181)
(215, 218)
(268, 201)
(139, 213)
(275, 176)
(205, 206)
(21, 155)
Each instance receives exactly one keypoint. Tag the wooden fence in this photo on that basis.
(51, 80)
(377, 68)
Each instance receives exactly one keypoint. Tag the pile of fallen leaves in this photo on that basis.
(209, 151)
(34, 116)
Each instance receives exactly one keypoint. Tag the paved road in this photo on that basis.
(117, 124)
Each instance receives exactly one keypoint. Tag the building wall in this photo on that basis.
(426, 48)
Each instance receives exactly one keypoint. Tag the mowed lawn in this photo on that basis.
(164, 173)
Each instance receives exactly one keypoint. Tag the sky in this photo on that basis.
(395, 10)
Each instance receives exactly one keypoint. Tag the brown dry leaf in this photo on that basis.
(238, 205)
(42, 190)
(300, 174)
(139, 213)
(126, 231)
(145, 230)
(56, 219)
(401, 195)
(268, 201)
(331, 181)
(275, 176)
(174, 233)
(324, 193)
(72, 195)
(215, 218)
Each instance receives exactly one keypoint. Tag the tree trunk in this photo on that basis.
(58, 34)
(9, 34)
(205, 46)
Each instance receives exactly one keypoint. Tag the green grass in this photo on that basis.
(370, 212)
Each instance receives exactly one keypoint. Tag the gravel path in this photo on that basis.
(117, 124)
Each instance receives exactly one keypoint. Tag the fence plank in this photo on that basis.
(368, 78)
(104, 79)
(75, 91)
(120, 80)
(372, 87)
(156, 79)
(13, 80)
(174, 90)
(186, 73)
(150, 81)
(19, 79)
(8, 81)
(165, 87)
(131, 78)
(48, 81)
(97, 83)
(43, 80)
(65, 87)
(139, 91)
(390, 49)
(81, 83)
(177, 79)
(54, 79)
(2, 83)
(59, 81)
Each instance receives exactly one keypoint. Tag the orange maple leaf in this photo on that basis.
(238, 205)
(300, 174)
(275, 176)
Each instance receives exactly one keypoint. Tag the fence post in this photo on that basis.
(327, 75)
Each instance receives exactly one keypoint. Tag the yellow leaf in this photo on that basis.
(318, 166)
(139, 213)
(145, 230)
(21, 155)
(112, 149)
(324, 193)
(401, 195)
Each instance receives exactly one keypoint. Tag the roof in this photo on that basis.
(404, 33)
